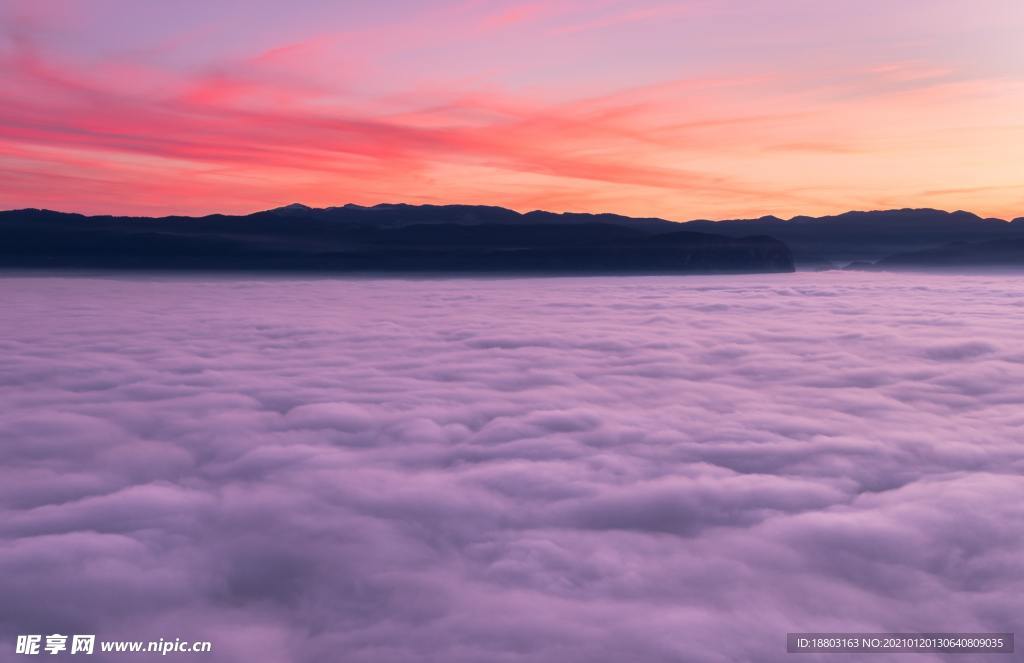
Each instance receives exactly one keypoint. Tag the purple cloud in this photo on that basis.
(577, 469)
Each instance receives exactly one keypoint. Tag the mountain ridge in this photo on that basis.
(384, 239)
(856, 236)
(298, 207)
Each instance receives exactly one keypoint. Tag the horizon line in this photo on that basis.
(517, 211)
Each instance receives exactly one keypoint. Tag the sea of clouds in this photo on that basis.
(578, 469)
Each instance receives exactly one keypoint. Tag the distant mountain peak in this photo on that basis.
(293, 207)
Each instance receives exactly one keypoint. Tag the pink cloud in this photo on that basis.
(428, 106)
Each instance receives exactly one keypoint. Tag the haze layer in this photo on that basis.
(634, 469)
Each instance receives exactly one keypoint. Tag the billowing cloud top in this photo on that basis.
(671, 108)
(640, 469)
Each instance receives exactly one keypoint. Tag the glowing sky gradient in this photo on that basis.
(703, 108)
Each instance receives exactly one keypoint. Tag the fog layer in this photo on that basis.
(606, 469)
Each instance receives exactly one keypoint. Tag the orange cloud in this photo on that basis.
(317, 118)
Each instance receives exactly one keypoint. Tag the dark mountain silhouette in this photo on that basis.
(868, 236)
(816, 242)
(959, 256)
(396, 215)
(381, 239)
(486, 238)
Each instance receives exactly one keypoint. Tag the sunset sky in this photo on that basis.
(687, 109)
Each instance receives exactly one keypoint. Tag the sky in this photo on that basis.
(687, 109)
